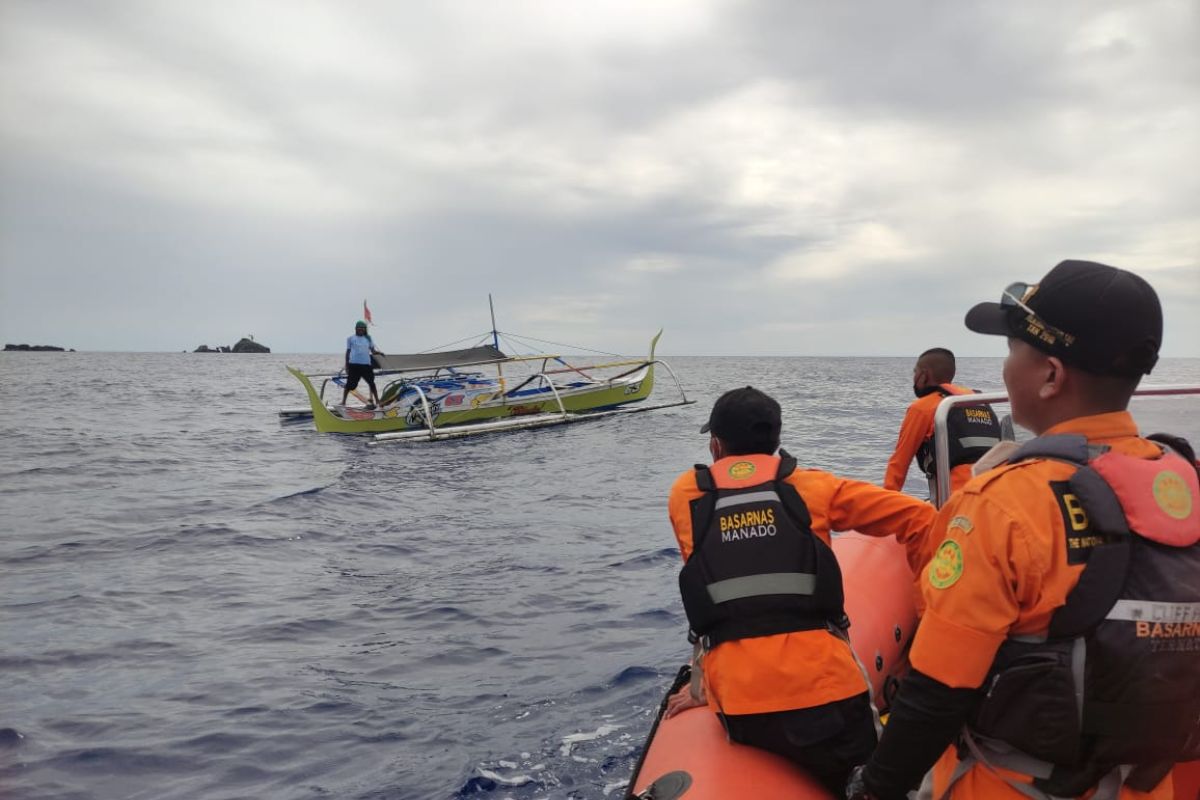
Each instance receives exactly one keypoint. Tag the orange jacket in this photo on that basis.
(1001, 570)
(806, 668)
(916, 429)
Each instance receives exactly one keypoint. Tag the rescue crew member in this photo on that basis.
(778, 668)
(359, 349)
(972, 430)
(1015, 542)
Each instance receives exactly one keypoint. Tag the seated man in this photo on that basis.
(763, 592)
(972, 429)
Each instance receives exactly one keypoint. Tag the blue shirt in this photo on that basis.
(360, 349)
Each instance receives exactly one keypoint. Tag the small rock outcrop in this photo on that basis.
(245, 345)
(36, 348)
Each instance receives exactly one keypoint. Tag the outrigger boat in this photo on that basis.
(455, 393)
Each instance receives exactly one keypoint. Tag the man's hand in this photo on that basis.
(683, 700)
(855, 788)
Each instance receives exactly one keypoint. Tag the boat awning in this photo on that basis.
(472, 356)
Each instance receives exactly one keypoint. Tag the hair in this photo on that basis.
(940, 362)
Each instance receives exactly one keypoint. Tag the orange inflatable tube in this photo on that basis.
(688, 756)
(1187, 781)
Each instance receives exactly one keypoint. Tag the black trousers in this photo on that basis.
(356, 371)
(827, 741)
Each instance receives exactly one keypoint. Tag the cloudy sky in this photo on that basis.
(792, 177)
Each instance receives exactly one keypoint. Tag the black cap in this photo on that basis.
(1102, 319)
(747, 420)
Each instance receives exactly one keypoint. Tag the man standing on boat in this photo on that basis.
(972, 430)
(1059, 652)
(763, 592)
(359, 349)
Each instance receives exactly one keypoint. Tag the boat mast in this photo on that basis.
(495, 336)
(496, 344)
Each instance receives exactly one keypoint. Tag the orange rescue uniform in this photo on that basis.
(916, 429)
(802, 669)
(1001, 570)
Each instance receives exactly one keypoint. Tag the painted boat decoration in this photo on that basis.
(480, 389)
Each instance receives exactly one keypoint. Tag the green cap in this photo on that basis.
(360, 324)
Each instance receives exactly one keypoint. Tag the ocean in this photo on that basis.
(200, 601)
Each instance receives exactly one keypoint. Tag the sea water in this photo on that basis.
(199, 601)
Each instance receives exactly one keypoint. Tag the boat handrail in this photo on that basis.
(941, 444)
(428, 411)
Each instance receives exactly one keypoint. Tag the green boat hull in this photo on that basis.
(632, 388)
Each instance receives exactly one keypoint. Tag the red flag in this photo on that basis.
(367, 313)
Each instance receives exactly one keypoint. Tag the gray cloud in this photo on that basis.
(776, 178)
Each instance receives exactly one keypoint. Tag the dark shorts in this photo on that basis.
(827, 741)
(355, 371)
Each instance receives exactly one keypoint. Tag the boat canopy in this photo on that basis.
(472, 356)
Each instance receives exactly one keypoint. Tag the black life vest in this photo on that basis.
(1114, 688)
(756, 568)
(971, 430)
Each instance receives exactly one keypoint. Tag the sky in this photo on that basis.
(798, 177)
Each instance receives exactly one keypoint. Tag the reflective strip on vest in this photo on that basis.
(749, 497)
(978, 441)
(1150, 611)
(768, 583)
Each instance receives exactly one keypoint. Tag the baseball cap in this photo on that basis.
(1104, 320)
(360, 324)
(746, 419)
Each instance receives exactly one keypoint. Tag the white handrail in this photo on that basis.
(428, 411)
(941, 443)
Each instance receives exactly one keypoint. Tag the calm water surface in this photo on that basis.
(198, 601)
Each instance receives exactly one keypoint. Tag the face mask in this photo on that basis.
(919, 392)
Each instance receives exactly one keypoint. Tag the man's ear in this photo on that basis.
(1054, 378)
(716, 448)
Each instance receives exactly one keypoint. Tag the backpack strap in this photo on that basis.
(793, 503)
(787, 465)
(1071, 447)
(703, 507)
(1103, 577)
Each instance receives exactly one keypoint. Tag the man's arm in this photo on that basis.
(970, 605)
(925, 719)
(913, 431)
(868, 509)
(347, 361)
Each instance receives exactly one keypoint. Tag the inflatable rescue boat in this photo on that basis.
(689, 756)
